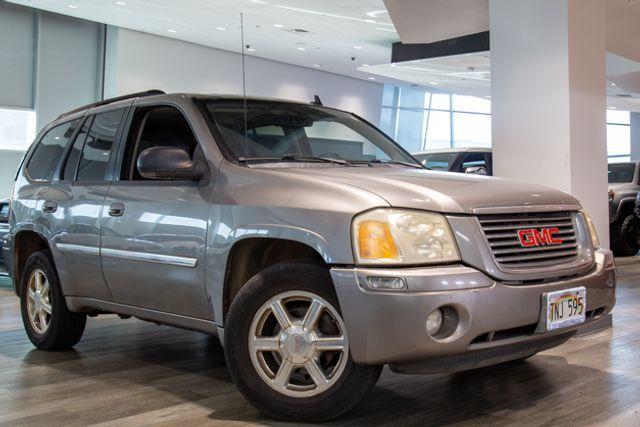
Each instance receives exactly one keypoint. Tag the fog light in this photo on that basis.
(434, 322)
(386, 283)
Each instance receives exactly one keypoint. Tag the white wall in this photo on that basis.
(138, 61)
(9, 161)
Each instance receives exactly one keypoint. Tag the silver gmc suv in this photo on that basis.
(311, 244)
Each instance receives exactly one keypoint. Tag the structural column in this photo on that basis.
(548, 98)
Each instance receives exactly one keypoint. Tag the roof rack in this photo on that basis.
(112, 100)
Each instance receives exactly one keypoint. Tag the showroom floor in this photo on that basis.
(136, 373)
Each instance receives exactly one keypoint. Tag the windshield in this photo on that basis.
(621, 172)
(437, 161)
(299, 132)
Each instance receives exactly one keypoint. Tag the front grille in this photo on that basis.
(501, 234)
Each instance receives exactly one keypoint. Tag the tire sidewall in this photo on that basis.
(41, 260)
(265, 285)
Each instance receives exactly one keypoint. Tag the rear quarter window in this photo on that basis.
(49, 151)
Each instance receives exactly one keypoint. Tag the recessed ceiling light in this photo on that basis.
(171, 30)
(316, 65)
(389, 30)
(121, 3)
(221, 28)
(250, 49)
(613, 84)
(433, 83)
(278, 25)
(371, 21)
(72, 6)
(357, 47)
(302, 49)
(365, 65)
(372, 78)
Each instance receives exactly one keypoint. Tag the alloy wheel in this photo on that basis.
(39, 305)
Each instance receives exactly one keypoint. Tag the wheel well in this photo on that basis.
(250, 256)
(626, 208)
(25, 244)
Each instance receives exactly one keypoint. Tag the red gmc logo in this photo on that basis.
(530, 237)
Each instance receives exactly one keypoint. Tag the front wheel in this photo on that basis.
(287, 347)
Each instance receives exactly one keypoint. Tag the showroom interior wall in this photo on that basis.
(173, 65)
(49, 63)
(635, 136)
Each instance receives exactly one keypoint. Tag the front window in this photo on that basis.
(621, 172)
(437, 161)
(298, 132)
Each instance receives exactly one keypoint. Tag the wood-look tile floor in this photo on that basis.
(136, 373)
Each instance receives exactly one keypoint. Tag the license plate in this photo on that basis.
(565, 308)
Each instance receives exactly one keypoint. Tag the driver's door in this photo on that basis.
(154, 232)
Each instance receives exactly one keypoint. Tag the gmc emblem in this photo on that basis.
(530, 237)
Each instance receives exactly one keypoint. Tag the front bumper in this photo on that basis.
(390, 326)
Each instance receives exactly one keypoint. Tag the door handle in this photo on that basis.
(116, 209)
(49, 206)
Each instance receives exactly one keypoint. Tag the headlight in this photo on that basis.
(592, 230)
(395, 236)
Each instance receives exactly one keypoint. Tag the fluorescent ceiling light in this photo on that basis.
(121, 3)
(278, 25)
(376, 13)
(325, 14)
(250, 49)
(433, 83)
(389, 30)
(357, 47)
(316, 65)
(171, 30)
(365, 65)
(302, 49)
(372, 78)
(72, 6)
(221, 28)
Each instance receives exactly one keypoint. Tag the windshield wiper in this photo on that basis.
(395, 162)
(293, 158)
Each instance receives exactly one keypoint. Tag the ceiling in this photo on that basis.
(337, 36)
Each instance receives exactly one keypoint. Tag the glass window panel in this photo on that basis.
(440, 101)
(388, 122)
(471, 104)
(389, 96)
(97, 146)
(618, 117)
(618, 140)
(438, 130)
(619, 159)
(410, 129)
(471, 130)
(17, 129)
(411, 98)
(47, 155)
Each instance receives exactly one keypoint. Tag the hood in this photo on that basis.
(445, 192)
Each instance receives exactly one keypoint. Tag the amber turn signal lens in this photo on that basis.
(375, 241)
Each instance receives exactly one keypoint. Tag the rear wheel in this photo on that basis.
(287, 347)
(625, 236)
(47, 320)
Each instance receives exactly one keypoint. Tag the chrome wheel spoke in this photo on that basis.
(38, 278)
(46, 308)
(266, 344)
(45, 288)
(315, 372)
(284, 373)
(330, 344)
(32, 294)
(313, 314)
(42, 318)
(280, 312)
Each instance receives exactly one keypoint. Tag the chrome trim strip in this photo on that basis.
(78, 249)
(148, 257)
(524, 209)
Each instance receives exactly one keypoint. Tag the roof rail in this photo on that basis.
(112, 100)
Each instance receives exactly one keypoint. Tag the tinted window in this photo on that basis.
(49, 151)
(437, 161)
(279, 129)
(156, 127)
(474, 160)
(621, 172)
(71, 165)
(97, 146)
(4, 212)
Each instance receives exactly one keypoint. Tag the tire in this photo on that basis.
(624, 236)
(59, 329)
(302, 399)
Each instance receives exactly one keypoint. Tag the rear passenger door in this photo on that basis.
(154, 231)
(76, 200)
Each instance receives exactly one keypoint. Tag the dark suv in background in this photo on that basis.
(474, 160)
(624, 184)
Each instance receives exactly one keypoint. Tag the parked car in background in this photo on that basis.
(624, 185)
(4, 225)
(464, 160)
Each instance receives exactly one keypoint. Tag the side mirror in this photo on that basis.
(476, 170)
(169, 163)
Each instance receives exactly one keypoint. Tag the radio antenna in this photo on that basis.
(244, 84)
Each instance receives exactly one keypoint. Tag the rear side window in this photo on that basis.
(98, 144)
(47, 155)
